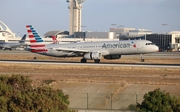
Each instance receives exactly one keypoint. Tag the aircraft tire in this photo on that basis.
(97, 61)
(142, 60)
(83, 60)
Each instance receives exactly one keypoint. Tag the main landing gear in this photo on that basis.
(142, 58)
(85, 60)
(97, 61)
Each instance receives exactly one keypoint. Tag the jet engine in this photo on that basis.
(93, 55)
(111, 57)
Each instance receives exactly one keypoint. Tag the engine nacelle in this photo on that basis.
(93, 55)
(111, 57)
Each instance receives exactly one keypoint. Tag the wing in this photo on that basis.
(103, 52)
(71, 50)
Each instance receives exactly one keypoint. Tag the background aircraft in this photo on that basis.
(55, 41)
(92, 50)
(11, 45)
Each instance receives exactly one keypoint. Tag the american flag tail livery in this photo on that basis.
(37, 45)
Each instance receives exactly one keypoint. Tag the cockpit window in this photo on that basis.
(149, 44)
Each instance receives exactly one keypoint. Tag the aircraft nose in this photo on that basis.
(156, 48)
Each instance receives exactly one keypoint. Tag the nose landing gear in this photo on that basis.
(142, 58)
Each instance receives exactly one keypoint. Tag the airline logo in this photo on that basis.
(119, 45)
(37, 45)
(133, 44)
(33, 35)
(55, 41)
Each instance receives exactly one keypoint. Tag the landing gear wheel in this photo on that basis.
(142, 60)
(97, 60)
(83, 60)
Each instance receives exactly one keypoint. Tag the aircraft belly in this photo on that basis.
(124, 51)
(60, 53)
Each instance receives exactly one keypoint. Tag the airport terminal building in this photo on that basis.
(166, 42)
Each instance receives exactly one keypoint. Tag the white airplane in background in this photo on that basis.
(55, 41)
(11, 45)
(90, 50)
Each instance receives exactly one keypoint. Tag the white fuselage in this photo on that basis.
(123, 47)
(10, 45)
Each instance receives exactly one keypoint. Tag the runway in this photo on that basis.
(92, 64)
(154, 56)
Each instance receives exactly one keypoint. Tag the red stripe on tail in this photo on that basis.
(39, 50)
(29, 31)
(32, 41)
(37, 45)
(31, 36)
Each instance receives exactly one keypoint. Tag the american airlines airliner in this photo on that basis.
(90, 50)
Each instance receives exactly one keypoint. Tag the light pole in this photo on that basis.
(164, 26)
(121, 26)
(164, 35)
(82, 27)
(83, 33)
(113, 25)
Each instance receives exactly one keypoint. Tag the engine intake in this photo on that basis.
(93, 55)
(111, 57)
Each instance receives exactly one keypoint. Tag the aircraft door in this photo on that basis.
(139, 47)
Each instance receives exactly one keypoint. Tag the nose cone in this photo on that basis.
(156, 48)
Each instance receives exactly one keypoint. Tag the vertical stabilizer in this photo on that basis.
(55, 41)
(37, 44)
(33, 35)
(23, 39)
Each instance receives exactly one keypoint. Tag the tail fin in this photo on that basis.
(37, 44)
(55, 41)
(23, 39)
(33, 35)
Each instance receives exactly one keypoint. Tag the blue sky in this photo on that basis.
(97, 15)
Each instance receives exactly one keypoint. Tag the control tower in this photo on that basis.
(75, 7)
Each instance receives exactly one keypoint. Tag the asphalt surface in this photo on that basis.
(175, 55)
(93, 64)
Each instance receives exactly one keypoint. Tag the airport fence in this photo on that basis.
(105, 101)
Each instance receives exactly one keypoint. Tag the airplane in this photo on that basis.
(10, 45)
(90, 50)
(55, 41)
